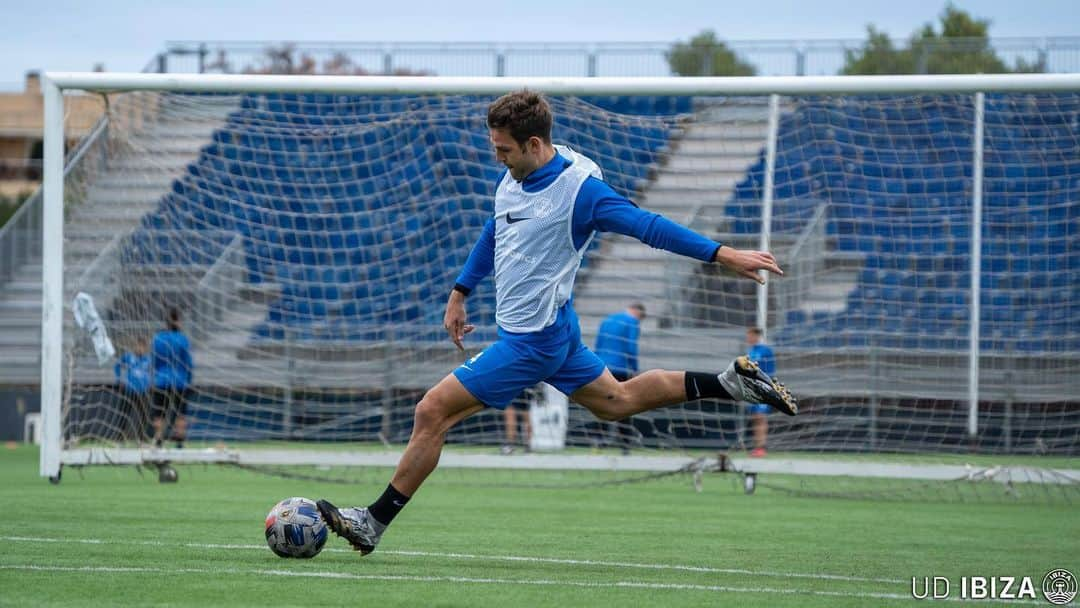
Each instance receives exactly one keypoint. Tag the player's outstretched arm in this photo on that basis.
(747, 263)
(598, 207)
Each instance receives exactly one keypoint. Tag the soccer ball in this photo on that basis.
(294, 528)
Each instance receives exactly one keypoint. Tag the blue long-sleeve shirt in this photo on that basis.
(597, 208)
(763, 355)
(133, 371)
(173, 367)
(617, 343)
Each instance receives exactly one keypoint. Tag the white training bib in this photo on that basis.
(535, 258)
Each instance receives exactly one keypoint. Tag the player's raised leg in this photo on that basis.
(743, 380)
(440, 409)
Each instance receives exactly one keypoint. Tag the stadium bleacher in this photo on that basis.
(896, 174)
(363, 209)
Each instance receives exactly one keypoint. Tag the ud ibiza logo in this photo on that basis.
(1059, 587)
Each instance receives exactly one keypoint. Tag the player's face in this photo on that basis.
(521, 160)
(751, 338)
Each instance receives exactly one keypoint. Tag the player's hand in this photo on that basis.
(747, 263)
(454, 319)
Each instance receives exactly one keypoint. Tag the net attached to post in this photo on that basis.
(309, 241)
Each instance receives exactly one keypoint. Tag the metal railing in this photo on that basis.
(21, 237)
(769, 57)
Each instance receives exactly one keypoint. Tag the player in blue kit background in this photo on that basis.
(762, 354)
(549, 205)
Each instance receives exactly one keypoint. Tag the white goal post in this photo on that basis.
(54, 453)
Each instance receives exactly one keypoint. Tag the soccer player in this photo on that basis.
(173, 368)
(617, 341)
(510, 422)
(617, 347)
(549, 204)
(133, 375)
(761, 354)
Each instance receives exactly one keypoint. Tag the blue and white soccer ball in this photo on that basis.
(295, 528)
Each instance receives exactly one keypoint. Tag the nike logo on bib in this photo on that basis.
(511, 220)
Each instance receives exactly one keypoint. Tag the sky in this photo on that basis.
(67, 35)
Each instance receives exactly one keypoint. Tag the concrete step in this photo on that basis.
(164, 161)
(23, 309)
(122, 215)
(29, 270)
(22, 366)
(630, 251)
(84, 245)
(129, 179)
(24, 336)
(100, 231)
(728, 130)
(727, 148)
(21, 289)
(598, 306)
(148, 151)
(829, 291)
(20, 320)
(697, 181)
(125, 197)
(185, 129)
(634, 271)
(684, 163)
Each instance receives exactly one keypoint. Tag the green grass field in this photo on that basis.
(110, 537)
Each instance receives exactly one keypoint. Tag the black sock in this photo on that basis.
(700, 385)
(386, 508)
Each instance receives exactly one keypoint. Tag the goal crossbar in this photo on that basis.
(719, 85)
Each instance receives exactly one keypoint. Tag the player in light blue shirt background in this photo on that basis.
(762, 354)
(617, 347)
(133, 374)
(617, 341)
(173, 372)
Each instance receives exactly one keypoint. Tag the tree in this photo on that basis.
(282, 60)
(878, 56)
(705, 55)
(962, 46)
(287, 59)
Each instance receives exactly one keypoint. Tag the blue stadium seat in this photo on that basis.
(362, 220)
(887, 165)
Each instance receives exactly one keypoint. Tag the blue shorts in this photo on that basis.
(759, 408)
(555, 355)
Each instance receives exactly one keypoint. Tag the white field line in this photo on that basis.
(470, 580)
(470, 556)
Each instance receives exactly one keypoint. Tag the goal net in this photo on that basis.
(308, 235)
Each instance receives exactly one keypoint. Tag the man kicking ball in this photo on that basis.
(549, 205)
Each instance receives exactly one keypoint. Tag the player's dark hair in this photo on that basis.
(172, 318)
(756, 331)
(523, 113)
(639, 307)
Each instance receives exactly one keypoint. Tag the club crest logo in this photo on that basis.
(1059, 587)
